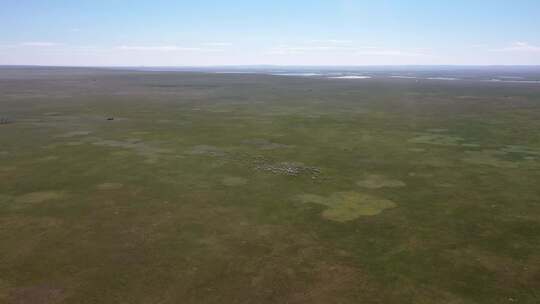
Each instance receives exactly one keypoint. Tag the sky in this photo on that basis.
(273, 32)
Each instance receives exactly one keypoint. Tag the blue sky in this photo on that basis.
(285, 32)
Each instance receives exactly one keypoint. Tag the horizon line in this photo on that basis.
(270, 65)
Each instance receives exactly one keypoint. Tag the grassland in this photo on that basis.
(163, 187)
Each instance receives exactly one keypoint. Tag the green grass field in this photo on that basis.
(209, 188)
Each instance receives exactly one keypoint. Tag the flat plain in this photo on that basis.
(188, 187)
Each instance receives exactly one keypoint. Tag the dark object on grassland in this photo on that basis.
(5, 121)
(110, 118)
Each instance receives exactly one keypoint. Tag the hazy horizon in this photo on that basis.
(284, 33)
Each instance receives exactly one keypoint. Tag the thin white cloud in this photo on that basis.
(89, 49)
(357, 50)
(381, 52)
(168, 48)
(291, 50)
(162, 48)
(332, 41)
(39, 44)
(519, 47)
(218, 44)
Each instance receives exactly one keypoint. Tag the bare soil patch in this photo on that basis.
(38, 294)
(39, 197)
(110, 186)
